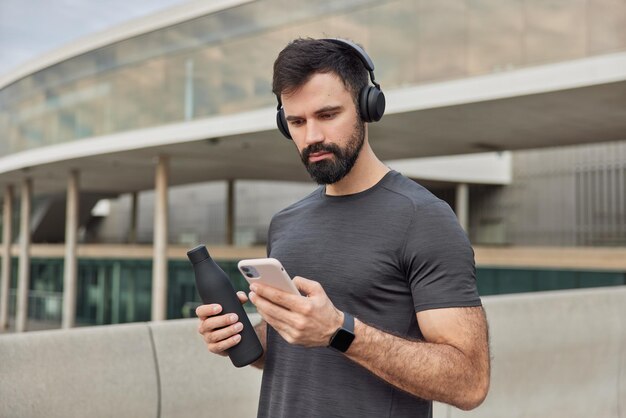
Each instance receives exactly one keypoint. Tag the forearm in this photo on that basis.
(431, 371)
(261, 332)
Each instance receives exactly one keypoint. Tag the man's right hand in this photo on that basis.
(220, 332)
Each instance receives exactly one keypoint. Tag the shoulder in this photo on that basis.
(281, 220)
(299, 206)
(433, 224)
(413, 194)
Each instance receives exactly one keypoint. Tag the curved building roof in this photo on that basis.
(194, 83)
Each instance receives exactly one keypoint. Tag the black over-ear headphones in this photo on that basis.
(371, 98)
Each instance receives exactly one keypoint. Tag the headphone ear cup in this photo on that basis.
(281, 122)
(371, 104)
(364, 104)
(375, 104)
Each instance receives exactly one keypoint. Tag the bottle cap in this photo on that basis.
(198, 254)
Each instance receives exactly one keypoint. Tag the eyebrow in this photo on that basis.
(317, 112)
(328, 109)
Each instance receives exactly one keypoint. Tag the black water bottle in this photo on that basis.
(214, 286)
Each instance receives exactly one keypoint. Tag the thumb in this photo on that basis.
(307, 287)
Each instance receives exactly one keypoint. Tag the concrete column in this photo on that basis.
(116, 291)
(130, 301)
(132, 234)
(7, 234)
(23, 281)
(462, 205)
(159, 264)
(189, 89)
(230, 213)
(71, 263)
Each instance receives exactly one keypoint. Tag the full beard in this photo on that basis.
(331, 170)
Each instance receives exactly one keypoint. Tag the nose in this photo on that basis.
(314, 133)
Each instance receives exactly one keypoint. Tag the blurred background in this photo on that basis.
(155, 121)
(132, 131)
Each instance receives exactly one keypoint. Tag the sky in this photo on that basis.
(29, 28)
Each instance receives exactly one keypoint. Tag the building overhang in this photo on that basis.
(568, 103)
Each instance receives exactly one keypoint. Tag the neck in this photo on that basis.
(366, 172)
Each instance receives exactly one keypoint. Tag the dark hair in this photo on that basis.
(302, 58)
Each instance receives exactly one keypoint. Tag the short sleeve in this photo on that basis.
(268, 245)
(439, 260)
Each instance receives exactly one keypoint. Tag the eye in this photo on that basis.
(296, 122)
(327, 116)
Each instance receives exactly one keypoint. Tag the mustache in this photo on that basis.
(320, 147)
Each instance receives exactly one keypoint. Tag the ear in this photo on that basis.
(282, 124)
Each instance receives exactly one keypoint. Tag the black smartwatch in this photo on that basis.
(343, 337)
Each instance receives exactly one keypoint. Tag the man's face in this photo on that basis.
(325, 127)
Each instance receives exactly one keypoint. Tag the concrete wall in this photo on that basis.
(565, 196)
(196, 383)
(555, 354)
(99, 372)
(255, 201)
(137, 370)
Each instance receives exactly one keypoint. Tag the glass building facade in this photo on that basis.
(118, 291)
(221, 63)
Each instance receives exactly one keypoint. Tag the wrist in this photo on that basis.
(338, 320)
(335, 323)
(343, 336)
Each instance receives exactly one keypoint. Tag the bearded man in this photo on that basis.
(389, 317)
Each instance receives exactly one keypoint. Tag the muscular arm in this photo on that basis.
(451, 365)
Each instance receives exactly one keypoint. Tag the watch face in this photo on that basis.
(342, 340)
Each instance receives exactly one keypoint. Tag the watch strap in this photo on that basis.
(348, 322)
(344, 335)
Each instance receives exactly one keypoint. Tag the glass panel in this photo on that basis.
(221, 63)
(441, 39)
(556, 280)
(607, 25)
(555, 30)
(395, 52)
(495, 35)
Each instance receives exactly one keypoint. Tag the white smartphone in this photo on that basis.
(268, 271)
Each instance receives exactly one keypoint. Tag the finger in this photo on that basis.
(208, 310)
(273, 313)
(223, 333)
(277, 296)
(307, 287)
(279, 323)
(242, 297)
(215, 322)
(220, 347)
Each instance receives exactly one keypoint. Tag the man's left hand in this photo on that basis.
(308, 320)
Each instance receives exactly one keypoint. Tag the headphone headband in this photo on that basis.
(365, 59)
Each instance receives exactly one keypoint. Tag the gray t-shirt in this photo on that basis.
(381, 255)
